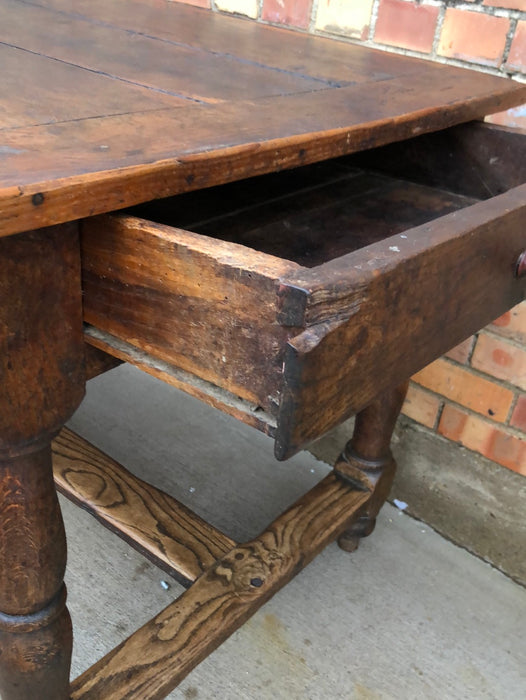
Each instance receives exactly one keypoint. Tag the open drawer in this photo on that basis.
(292, 300)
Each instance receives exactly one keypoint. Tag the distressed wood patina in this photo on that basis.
(282, 225)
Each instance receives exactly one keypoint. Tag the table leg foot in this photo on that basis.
(349, 540)
(368, 463)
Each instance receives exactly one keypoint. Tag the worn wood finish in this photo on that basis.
(199, 388)
(46, 95)
(209, 307)
(367, 460)
(98, 362)
(200, 304)
(165, 531)
(377, 315)
(221, 100)
(178, 70)
(331, 62)
(159, 655)
(344, 302)
(251, 100)
(42, 382)
(476, 159)
(35, 627)
(334, 214)
(186, 150)
(41, 342)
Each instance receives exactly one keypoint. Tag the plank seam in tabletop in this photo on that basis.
(264, 33)
(137, 58)
(331, 58)
(310, 121)
(104, 74)
(165, 31)
(6, 149)
(47, 92)
(227, 54)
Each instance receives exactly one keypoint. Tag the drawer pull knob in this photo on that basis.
(520, 269)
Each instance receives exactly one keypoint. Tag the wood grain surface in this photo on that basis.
(205, 391)
(198, 303)
(180, 99)
(343, 286)
(41, 341)
(160, 654)
(42, 383)
(165, 531)
(98, 361)
(376, 315)
(344, 211)
(476, 159)
(166, 68)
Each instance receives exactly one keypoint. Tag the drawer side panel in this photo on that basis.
(475, 159)
(205, 306)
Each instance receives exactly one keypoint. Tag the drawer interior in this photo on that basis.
(285, 292)
(309, 215)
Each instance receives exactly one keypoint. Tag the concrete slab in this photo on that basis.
(409, 615)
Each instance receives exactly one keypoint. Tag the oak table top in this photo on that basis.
(107, 104)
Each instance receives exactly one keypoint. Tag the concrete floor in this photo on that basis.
(407, 616)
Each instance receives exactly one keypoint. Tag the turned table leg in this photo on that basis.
(367, 460)
(41, 384)
(35, 629)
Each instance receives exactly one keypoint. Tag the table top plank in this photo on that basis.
(52, 92)
(365, 119)
(216, 116)
(328, 60)
(164, 67)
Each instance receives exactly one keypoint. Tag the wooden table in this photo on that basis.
(290, 301)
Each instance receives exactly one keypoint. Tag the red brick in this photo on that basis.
(508, 4)
(473, 36)
(406, 24)
(461, 352)
(501, 359)
(518, 418)
(483, 437)
(515, 118)
(512, 324)
(460, 385)
(421, 406)
(517, 56)
(295, 13)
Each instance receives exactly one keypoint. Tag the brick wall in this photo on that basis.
(475, 395)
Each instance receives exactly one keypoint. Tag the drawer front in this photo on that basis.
(380, 314)
(202, 305)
